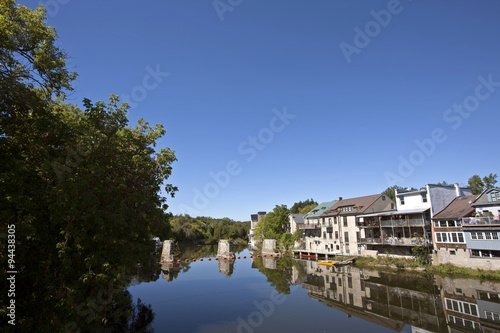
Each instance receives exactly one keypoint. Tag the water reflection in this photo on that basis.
(392, 299)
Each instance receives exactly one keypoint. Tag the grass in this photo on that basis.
(446, 270)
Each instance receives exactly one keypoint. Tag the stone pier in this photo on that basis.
(268, 246)
(226, 267)
(167, 253)
(225, 249)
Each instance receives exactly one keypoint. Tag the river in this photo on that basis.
(289, 295)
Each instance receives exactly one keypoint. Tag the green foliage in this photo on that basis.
(298, 207)
(307, 209)
(208, 230)
(478, 185)
(421, 254)
(274, 224)
(287, 241)
(80, 186)
(391, 192)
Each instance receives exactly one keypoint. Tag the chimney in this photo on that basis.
(340, 198)
(457, 189)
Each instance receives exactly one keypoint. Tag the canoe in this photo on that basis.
(326, 263)
(334, 264)
(308, 256)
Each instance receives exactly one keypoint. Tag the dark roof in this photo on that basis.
(458, 208)
(362, 203)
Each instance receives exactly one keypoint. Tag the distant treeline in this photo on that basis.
(207, 230)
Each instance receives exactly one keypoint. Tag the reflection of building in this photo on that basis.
(386, 299)
(471, 305)
(254, 219)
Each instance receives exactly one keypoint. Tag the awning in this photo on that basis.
(378, 214)
(395, 212)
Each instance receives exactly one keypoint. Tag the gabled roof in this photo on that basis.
(362, 204)
(482, 200)
(458, 208)
(320, 209)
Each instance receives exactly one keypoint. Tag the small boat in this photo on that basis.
(335, 263)
(307, 255)
(326, 263)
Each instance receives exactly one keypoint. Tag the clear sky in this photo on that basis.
(272, 102)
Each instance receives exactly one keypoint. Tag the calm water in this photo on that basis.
(287, 295)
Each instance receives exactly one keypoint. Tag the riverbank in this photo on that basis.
(446, 270)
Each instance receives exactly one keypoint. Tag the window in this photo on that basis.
(479, 235)
(383, 198)
(335, 220)
(324, 234)
(338, 247)
(402, 198)
(473, 235)
(452, 252)
(336, 235)
(450, 237)
(330, 235)
(462, 307)
(495, 196)
(424, 197)
(487, 235)
(329, 221)
(345, 221)
(494, 235)
(346, 237)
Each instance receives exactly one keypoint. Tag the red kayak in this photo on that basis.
(308, 256)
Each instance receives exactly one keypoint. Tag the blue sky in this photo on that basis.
(272, 102)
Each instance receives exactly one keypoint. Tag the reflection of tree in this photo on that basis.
(279, 278)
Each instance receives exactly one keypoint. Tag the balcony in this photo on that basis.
(308, 226)
(410, 241)
(405, 223)
(480, 221)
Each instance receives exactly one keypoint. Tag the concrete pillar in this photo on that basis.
(225, 249)
(268, 246)
(269, 262)
(226, 267)
(167, 252)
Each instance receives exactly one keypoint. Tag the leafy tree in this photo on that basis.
(274, 224)
(307, 209)
(287, 241)
(298, 206)
(80, 186)
(478, 185)
(391, 191)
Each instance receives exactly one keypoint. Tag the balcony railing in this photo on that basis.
(395, 223)
(307, 226)
(410, 241)
(472, 221)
